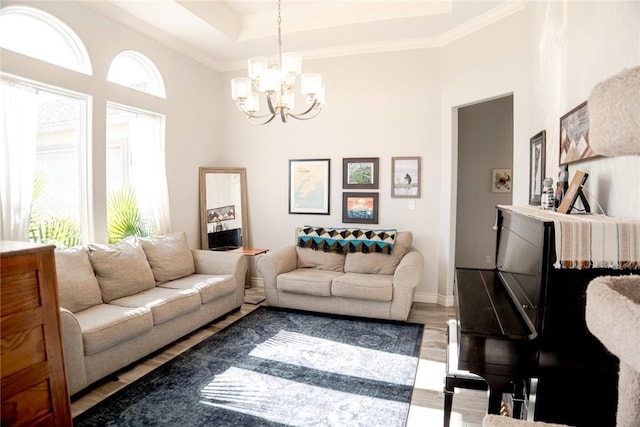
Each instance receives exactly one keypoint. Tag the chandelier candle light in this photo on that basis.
(277, 85)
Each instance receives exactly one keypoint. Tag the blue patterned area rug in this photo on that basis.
(278, 367)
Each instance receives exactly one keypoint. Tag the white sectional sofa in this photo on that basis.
(122, 302)
(352, 281)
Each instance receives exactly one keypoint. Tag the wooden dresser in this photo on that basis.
(34, 388)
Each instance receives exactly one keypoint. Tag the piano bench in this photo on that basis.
(454, 377)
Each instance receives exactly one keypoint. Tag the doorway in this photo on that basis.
(485, 157)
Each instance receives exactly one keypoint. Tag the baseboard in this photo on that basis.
(257, 282)
(425, 297)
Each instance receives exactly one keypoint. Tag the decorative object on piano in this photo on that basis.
(537, 158)
(574, 135)
(405, 173)
(574, 192)
(223, 213)
(562, 185)
(614, 115)
(548, 195)
(360, 208)
(501, 181)
(309, 186)
(360, 173)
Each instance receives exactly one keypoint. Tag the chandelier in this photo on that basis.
(276, 83)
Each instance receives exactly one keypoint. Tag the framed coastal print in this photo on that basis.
(360, 173)
(360, 208)
(501, 181)
(405, 175)
(537, 150)
(574, 135)
(309, 186)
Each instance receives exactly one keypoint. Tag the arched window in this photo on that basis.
(40, 35)
(135, 70)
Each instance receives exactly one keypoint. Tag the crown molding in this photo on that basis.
(482, 21)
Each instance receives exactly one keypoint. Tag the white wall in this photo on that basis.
(378, 105)
(405, 103)
(382, 105)
(578, 45)
(550, 62)
(191, 105)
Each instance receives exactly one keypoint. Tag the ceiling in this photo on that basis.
(224, 33)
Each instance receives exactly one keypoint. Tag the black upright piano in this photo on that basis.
(521, 326)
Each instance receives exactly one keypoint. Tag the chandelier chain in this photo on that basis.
(279, 35)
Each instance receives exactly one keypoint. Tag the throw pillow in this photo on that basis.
(78, 287)
(121, 269)
(169, 256)
(375, 263)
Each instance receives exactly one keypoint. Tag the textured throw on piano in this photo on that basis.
(345, 240)
(591, 241)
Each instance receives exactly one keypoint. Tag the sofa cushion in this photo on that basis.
(78, 288)
(165, 304)
(375, 263)
(308, 281)
(106, 325)
(310, 258)
(374, 287)
(121, 269)
(210, 287)
(169, 256)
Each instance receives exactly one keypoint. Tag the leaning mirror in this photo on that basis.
(223, 208)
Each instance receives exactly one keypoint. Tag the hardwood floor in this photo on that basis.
(427, 400)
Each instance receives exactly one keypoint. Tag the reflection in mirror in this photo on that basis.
(223, 211)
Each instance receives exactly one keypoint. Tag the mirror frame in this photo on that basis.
(204, 238)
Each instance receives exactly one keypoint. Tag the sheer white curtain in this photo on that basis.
(148, 172)
(18, 140)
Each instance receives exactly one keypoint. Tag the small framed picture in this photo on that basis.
(537, 150)
(360, 173)
(309, 186)
(574, 192)
(574, 135)
(360, 207)
(501, 181)
(223, 213)
(405, 175)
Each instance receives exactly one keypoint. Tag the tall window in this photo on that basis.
(137, 195)
(44, 156)
(46, 139)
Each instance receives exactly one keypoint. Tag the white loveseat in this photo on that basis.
(121, 302)
(355, 283)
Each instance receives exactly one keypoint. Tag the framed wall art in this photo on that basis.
(360, 173)
(537, 158)
(360, 208)
(405, 175)
(309, 186)
(501, 181)
(574, 135)
(224, 213)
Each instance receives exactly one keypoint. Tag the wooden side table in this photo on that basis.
(249, 252)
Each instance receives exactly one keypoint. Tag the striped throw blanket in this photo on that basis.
(591, 241)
